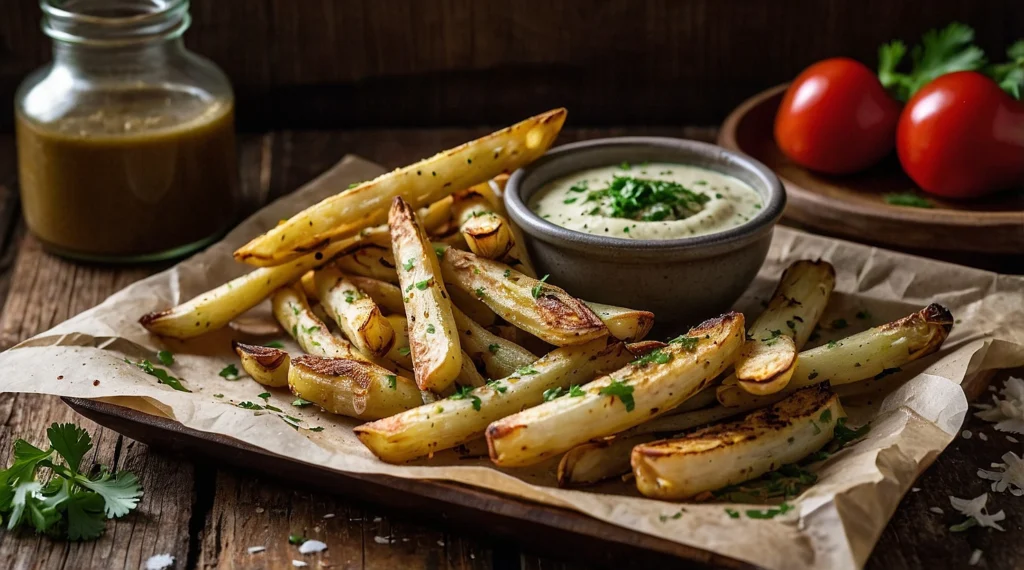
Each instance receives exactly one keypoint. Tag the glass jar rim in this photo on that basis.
(141, 21)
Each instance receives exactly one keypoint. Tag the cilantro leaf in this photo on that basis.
(71, 442)
(940, 52)
(622, 390)
(120, 493)
(26, 458)
(160, 374)
(1010, 75)
(85, 516)
(165, 357)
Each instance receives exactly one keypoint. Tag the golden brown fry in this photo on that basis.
(388, 296)
(644, 389)
(359, 317)
(400, 352)
(627, 325)
(723, 455)
(877, 351)
(534, 306)
(473, 307)
(347, 212)
(433, 336)
(369, 261)
(768, 358)
(499, 357)
(469, 375)
(464, 417)
(293, 313)
(268, 366)
(217, 307)
(352, 388)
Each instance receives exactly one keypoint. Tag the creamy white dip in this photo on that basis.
(699, 201)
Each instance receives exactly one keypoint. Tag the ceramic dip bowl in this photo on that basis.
(681, 280)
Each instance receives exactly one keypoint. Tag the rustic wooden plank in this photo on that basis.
(45, 291)
(340, 63)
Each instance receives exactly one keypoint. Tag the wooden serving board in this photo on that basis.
(545, 528)
(854, 206)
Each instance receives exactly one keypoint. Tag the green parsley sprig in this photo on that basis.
(72, 504)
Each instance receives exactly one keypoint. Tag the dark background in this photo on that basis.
(341, 63)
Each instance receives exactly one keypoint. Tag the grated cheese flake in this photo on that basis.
(159, 562)
(312, 546)
(255, 549)
(975, 557)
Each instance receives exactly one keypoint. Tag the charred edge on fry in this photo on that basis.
(267, 357)
(338, 367)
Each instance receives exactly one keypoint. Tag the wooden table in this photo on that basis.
(207, 516)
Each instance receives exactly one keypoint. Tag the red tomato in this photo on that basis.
(836, 118)
(961, 136)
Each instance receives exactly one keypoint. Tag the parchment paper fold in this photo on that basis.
(914, 414)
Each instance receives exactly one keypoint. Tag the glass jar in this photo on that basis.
(126, 145)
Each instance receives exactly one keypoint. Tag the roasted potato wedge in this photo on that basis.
(880, 350)
(387, 296)
(607, 457)
(352, 388)
(627, 325)
(499, 357)
(472, 307)
(534, 306)
(294, 315)
(359, 317)
(768, 358)
(597, 460)
(722, 455)
(369, 261)
(469, 375)
(429, 180)
(486, 232)
(218, 307)
(400, 352)
(451, 422)
(644, 389)
(308, 285)
(517, 257)
(268, 366)
(433, 336)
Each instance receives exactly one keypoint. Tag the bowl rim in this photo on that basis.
(540, 228)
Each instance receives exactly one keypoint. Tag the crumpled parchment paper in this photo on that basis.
(836, 523)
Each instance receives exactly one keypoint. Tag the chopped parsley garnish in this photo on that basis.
(439, 251)
(733, 513)
(310, 329)
(625, 166)
(409, 264)
(552, 393)
(825, 417)
(569, 200)
(771, 512)
(296, 539)
(466, 392)
(392, 381)
(525, 371)
(575, 391)
(654, 357)
(229, 372)
(493, 348)
(160, 374)
(301, 403)
(430, 328)
(165, 357)
(317, 428)
(69, 503)
(274, 344)
(687, 342)
(350, 296)
(249, 406)
(647, 200)
(907, 199)
(580, 186)
(422, 285)
(539, 287)
(265, 396)
(404, 351)
(772, 338)
(622, 390)
(832, 344)
(785, 482)
(480, 292)
(508, 273)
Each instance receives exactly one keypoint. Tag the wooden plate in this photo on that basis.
(546, 530)
(854, 206)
